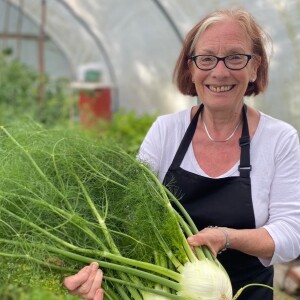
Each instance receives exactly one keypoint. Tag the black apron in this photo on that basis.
(223, 202)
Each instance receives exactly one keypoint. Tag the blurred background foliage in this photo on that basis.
(19, 94)
(20, 98)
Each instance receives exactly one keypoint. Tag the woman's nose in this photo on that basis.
(220, 70)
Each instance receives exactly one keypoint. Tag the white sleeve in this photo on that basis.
(162, 141)
(151, 147)
(284, 206)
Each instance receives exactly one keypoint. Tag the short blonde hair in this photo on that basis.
(260, 40)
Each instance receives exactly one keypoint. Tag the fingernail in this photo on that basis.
(94, 266)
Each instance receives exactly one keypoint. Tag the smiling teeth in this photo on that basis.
(219, 89)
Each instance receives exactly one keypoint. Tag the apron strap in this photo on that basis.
(185, 142)
(245, 166)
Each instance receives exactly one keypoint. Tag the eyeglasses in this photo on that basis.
(232, 62)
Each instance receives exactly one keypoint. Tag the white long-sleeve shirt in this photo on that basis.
(275, 175)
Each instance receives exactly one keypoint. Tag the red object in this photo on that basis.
(94, 105)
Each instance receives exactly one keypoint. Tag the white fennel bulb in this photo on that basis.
(205, 280)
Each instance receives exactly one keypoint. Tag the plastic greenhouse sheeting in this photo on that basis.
(136, 44)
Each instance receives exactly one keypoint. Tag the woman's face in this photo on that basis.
(221, 88)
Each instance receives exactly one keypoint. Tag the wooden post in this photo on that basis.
(41, 54)
(19, 29)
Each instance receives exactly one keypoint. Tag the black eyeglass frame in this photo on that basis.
(249, 56)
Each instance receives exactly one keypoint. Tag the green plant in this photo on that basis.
(66, 201)
(20, 97)
(127, 129)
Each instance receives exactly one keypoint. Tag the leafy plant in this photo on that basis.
(20, 97)
(66, 201)
(127, 129)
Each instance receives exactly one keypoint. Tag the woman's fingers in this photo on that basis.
(95, 292)
(213, 238)
(86, 283)
(99, 295)
(91, 286)
(86, 286)
(74, 281)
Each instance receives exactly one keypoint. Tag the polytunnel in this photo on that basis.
(135, 44)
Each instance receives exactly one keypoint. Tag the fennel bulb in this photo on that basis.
(204, 280)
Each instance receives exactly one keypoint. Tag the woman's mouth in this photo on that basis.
(219, 89)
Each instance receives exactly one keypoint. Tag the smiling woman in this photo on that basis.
(218, 155)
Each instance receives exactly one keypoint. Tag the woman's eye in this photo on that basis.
(207, 59)
(234, 57)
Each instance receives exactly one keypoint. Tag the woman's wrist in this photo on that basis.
(227, 240)
(226, 235)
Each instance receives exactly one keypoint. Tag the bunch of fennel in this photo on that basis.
(67, 200)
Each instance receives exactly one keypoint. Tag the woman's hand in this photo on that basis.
(256, 242)
(86, 283)
(213, 237)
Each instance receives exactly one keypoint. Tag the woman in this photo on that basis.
(237, 170)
